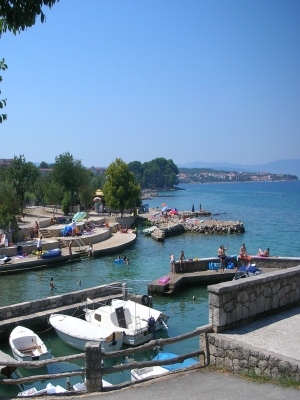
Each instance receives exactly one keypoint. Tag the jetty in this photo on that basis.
(196, 272)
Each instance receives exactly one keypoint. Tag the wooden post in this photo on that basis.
(204, 347)
(93, 367)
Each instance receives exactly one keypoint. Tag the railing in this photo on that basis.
(93, 352)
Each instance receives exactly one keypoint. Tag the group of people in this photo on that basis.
(173, 261)
(243, 252)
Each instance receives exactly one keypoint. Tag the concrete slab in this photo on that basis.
(278, 333)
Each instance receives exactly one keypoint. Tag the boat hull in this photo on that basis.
(76, 333)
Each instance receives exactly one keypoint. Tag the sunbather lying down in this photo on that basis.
(265, 253)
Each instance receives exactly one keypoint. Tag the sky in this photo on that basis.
(189, 80)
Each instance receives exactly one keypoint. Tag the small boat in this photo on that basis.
(120, 318)
(5, 370)
(76, 333)
(49, 389)
(245, 271)
(79, 387)
(27, 345)
(147, 372)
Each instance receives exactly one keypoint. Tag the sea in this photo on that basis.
(270, 212)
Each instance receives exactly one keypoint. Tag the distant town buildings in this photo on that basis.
(222, 176)
(98, 170)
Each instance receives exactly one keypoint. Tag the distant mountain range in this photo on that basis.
(291, 167)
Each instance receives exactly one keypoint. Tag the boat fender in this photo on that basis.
(145, 300)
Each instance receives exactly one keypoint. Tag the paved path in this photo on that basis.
(200, 385)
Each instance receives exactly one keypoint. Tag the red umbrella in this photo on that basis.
(173, 212)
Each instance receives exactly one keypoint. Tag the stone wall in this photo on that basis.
(237, 302)
(53, 302)
(236, 357)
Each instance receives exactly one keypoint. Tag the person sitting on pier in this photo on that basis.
(265, 253)
(243, 251)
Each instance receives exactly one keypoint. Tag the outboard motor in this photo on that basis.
(152, 327)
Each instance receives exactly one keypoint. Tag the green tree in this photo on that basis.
(43, 164)
(69, 173)
(53, 194)
(121, 190)
(9, 205)
(3, 67)
(17, 15)
(23, 175)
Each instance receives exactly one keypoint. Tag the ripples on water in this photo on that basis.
(270, 213)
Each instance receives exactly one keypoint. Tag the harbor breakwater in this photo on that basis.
(211, 227)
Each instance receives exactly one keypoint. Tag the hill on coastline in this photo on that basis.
(276, 167)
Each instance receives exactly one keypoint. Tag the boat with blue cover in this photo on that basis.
(147, 372)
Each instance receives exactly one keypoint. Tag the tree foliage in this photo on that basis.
(121, 190)
(156, 174)
(23, 175)
(3, 67)
(69, 173)
(17, 15)
(9, 204)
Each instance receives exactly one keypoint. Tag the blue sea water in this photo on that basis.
(270, 212)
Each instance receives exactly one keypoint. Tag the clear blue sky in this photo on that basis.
(190, 80)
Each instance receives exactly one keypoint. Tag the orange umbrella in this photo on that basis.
(163, 204)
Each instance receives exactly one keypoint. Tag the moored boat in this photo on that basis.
(119, 317)
(27, 345)
(144, 311)
(77, 332)
(147, 372)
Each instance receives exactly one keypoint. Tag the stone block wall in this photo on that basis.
(48, 303)
(241, 301)
(234, 356)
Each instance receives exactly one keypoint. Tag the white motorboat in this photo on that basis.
(77, 332)
(27, 345)
(5, 370)
(144, 312)
(148, 372)
(119, 318)
(49, 389)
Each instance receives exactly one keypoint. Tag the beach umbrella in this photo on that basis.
(163, 204)
(193, 208)
(164, 208)
(173, 212)
(99, 192)
(96, 198)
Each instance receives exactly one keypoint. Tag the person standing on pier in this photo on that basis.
(172, 262)
(39, 247)
(181, 258)
(222, 256)
(70, 249)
